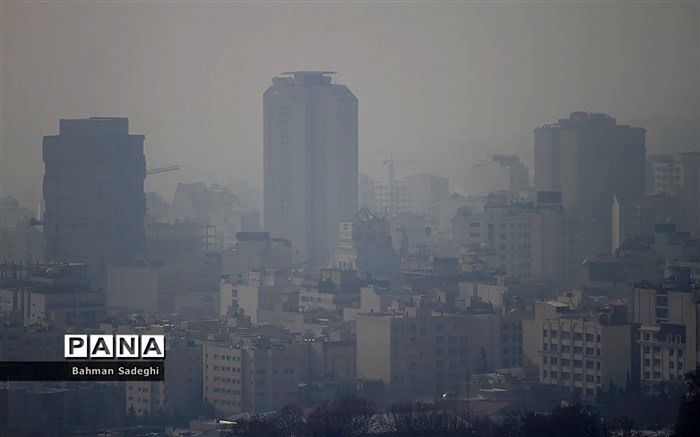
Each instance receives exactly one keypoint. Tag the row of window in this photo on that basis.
(566, 376)
(566, 335)
(565, 348)
(565, 362)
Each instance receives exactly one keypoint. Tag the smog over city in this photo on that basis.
(350, 218)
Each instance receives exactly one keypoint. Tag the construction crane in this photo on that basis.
(162, 169)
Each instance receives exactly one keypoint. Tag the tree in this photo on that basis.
(351, 416)
(421, 419)
(688, 423)
(571, 420)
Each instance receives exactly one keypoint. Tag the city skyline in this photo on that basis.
(487, 101)
(350, 219)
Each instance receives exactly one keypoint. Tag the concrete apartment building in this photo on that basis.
(182, 388)
(422, 354)
(365, 245)
(32, 343)
(679, 176)
(255, 295)
(579, 353)
(499, 296)
(310, 162)
(585, 355)
(253, 378)
(669, 331)
(554, 241)
(525, 240)
(93, 191)
(588, 157)
(51, 294)
(502, 228)
(638, 217)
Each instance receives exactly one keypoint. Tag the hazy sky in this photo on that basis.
(442, 84)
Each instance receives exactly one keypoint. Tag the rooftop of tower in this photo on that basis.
(308, 73)
(304, 78)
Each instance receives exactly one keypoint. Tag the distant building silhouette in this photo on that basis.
(678, 176)
(310, 163)
(93, 189)
(499, 173)
(589, 158)
(365, 245)
(426, 190)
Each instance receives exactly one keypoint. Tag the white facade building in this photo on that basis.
(310, 162)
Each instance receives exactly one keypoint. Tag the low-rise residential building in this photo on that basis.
(55, 294)
(253, 377)
(365, 245)
(669, 330)
(585, 355)
(420, 353)
(150, 289)
(525, 240)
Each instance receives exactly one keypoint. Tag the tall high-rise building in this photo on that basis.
(589, 158)
(310, 162)
(93, 189)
